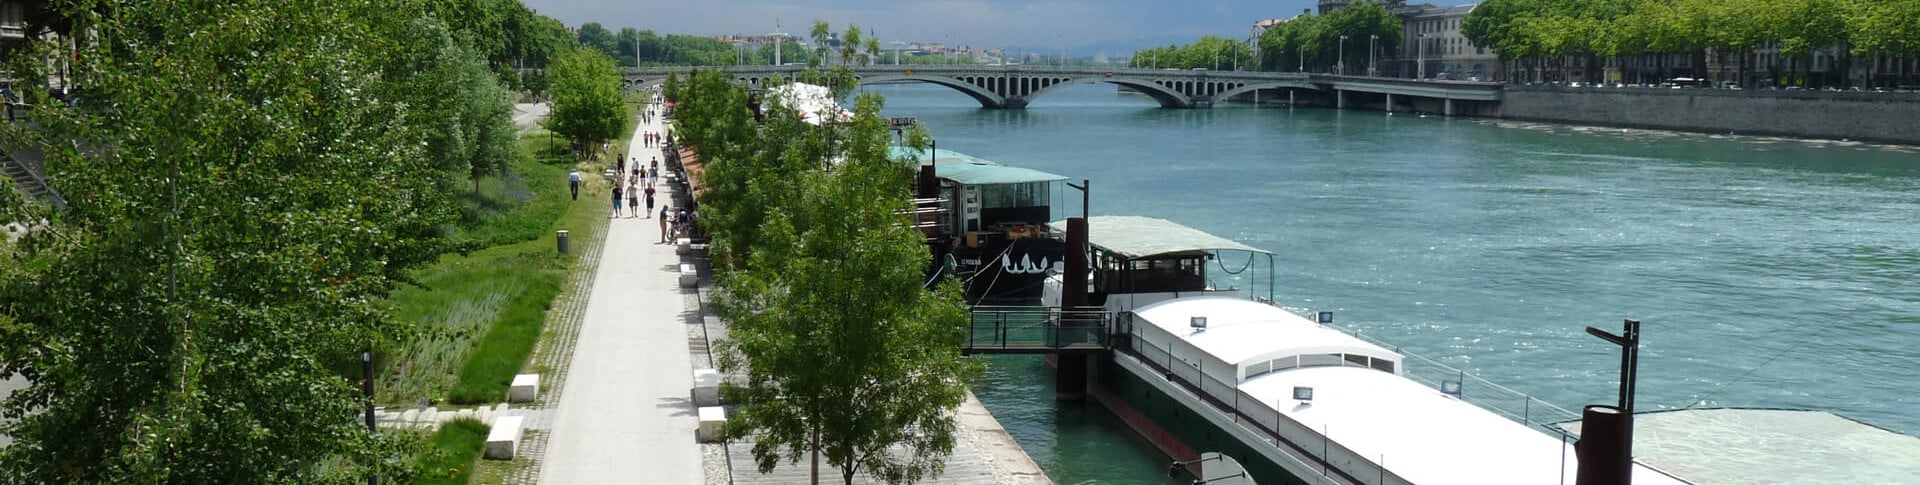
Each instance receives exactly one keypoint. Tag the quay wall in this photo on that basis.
(1875, 117)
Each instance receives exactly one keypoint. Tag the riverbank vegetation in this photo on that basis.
(843, 348)
(247, 191)
(450, 452)
(1551, 39)
(1315, 43)
(1210, 52)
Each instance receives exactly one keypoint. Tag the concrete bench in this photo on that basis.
(712, 419)
(504, 439)
(689, 277)
(525, 387)
(683, 246)
(706, 387)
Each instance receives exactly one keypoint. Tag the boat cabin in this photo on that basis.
(988, 217)
(1136, 261)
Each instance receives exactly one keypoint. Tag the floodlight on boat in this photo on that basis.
(1304, 394)
(1325, 318)
(1198, 323)
(1451, 388)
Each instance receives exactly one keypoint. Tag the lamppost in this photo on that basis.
(898, 46)
(1422, 57)
(1302, 55)
(1341, 63)
(1372, 41)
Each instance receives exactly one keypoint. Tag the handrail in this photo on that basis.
(1433, 373)
(1323, 458)
(993, 327)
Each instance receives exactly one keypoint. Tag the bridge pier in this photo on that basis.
(1339, 99)
(1389, 103)
(1449, 106)
(1011, 102)
(1290, 102)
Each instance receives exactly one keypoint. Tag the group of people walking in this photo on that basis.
(629, 185)
(634, 186)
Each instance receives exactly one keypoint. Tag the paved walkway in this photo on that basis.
(624, 415)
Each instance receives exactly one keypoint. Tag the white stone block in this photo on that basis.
(504, 439)
(706, 387)
(712, 419)
(525, 387)
(683, 246)
(689, 277)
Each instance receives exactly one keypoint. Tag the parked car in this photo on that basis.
(1729, 85)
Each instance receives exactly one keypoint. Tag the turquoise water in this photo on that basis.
(1771, 273)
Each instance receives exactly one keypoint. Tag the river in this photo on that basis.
(1767, 272)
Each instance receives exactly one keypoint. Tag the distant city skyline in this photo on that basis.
(1079, 27)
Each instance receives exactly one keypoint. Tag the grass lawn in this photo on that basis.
(450, 453)
(479, 315)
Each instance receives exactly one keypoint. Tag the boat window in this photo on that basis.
(1319, 360)
(1355, 360)
(1284, 363)
(1259, 368)
(1383, 365)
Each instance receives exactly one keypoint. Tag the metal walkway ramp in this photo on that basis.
(1037, 330)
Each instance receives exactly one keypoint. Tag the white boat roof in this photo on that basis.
(1137, 237)
(1239, 330)
(812, 101)
(1420, 434)
(1734, 446)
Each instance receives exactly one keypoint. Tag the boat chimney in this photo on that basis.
(1604, 457)
(1073, 283)
(928, 185)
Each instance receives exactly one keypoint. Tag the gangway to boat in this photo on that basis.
(1037, 330)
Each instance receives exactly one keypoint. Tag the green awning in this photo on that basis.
(970, 170)
(1136, 237)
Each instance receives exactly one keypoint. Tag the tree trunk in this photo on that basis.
(816, 455)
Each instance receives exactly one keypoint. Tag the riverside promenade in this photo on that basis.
(624, 414)
(619, 409)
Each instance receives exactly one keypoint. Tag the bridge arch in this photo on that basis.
(1250, 87)
(1167, 97)
(986, 98)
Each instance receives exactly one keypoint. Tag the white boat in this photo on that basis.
(1299, 397)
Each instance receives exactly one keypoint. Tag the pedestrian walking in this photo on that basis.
(573, 180)
(633, 198)
(620, 164)
(664, 211)
(649, 200)
(616, 194)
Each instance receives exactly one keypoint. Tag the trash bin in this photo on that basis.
(561, 237)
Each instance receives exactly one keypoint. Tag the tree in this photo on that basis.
(845, 354)
(454, 100)
(629, 40)
(596, 36)
(233, 218)
(585, 88)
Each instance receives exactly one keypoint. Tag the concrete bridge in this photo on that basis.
(1012, 87)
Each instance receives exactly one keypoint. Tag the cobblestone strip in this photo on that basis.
(555, 351)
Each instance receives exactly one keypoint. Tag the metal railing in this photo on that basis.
(1511, 404)
(1313, 447)
(1010, 329)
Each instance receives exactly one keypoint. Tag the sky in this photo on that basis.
(1080, 27)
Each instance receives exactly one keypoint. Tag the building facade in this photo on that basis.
(1435, 47)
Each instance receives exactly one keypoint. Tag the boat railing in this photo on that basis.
(1312, 447)
(1037, 329)
(1514, 405)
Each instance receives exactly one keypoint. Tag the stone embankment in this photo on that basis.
(1859, 116)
